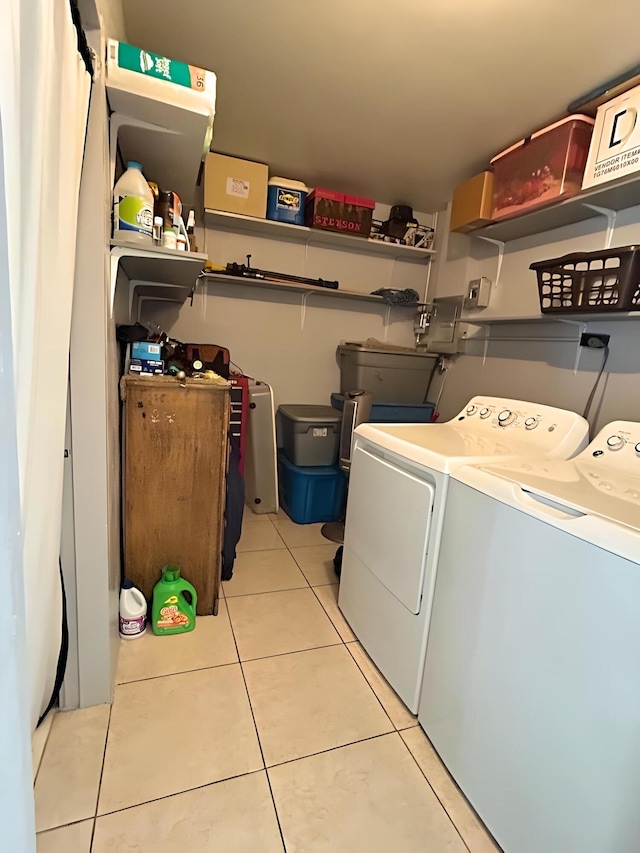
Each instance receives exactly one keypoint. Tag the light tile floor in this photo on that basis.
(266, 729)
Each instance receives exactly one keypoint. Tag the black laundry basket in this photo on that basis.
(585, 282)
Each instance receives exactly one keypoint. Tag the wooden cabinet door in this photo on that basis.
(175, 452)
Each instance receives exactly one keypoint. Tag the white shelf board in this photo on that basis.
(218, 219)
(166, 273)
(614, 196)
(609, 317)
(295, 287)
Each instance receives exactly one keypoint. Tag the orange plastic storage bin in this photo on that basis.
(544, 168)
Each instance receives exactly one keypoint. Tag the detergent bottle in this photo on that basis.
(174, 603)
(133, 612)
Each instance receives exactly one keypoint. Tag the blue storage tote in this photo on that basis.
(309, 495)
(393, 413)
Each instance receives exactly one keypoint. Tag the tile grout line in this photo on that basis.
(176, 794)
(435, 793)
(54, 711)
(335, 628)
(285, 589)
(362, 672)
(255, 726)
(104, 755)
(331, 749)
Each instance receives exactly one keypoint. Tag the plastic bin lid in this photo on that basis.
(288, 184)
(550, 127)
(343, 198)
(354, 346)
(310, 414)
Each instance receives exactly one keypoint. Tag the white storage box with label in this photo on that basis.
(615, 144)
(309, 435)
(235, 185)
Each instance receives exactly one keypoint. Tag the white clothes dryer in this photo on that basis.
(531, 691)
(397, 495)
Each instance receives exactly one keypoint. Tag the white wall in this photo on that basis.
(107, 15)
(534, 364)
(262, 328)
(95, 419)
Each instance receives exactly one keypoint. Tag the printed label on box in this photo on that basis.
(320, 432)
(615, 146)
(289, 200)
(152, 64)
(238, 188)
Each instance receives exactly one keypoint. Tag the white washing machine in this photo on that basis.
(531, 690)
(397, 494)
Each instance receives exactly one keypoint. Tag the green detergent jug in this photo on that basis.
(173, 612)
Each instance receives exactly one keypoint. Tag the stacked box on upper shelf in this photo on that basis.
(163, 113)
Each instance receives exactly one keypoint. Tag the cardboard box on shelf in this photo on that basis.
(146, 350)
(146, 366)
(615, 145)
(471, 205)
(235, 185)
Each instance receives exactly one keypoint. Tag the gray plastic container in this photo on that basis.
(309, 435)
(261, 463)
(392, 377)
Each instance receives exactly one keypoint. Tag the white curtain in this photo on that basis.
(16, 792)
(43, 162)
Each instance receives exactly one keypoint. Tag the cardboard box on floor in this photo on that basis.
(235, 185)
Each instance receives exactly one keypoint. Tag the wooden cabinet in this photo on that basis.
(175, 457)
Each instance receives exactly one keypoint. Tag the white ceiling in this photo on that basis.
(393, 100)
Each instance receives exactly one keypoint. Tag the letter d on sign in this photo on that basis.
(618, 136)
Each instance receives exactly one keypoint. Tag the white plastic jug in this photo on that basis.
(133, 207)
(133, 612)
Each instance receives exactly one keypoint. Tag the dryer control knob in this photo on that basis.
(531, 423)
(615, 442)
(506, 417)
(471, 410)
(637, 448)
(484, 413)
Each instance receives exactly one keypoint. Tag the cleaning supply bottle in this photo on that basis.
(133, 612)
(133, 207)
(172, 611)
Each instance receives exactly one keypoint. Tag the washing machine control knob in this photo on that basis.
(637, 448)
(484, 413)
(471, 410)
(615, 442)
(506, 417)
(531, 423)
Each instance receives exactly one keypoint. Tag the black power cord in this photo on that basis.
(605, 357)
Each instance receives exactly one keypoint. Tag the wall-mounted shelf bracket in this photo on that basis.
(119, 120)
(611, 221)
(500, 245)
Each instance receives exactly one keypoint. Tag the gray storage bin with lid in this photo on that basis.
(309, 435)
(391, 376)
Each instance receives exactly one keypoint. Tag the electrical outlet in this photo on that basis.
(594, 341)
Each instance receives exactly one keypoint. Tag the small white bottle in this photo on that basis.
(133, 612)
(133, 207)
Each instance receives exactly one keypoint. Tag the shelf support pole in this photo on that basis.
(611, 220)
(500, 245)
